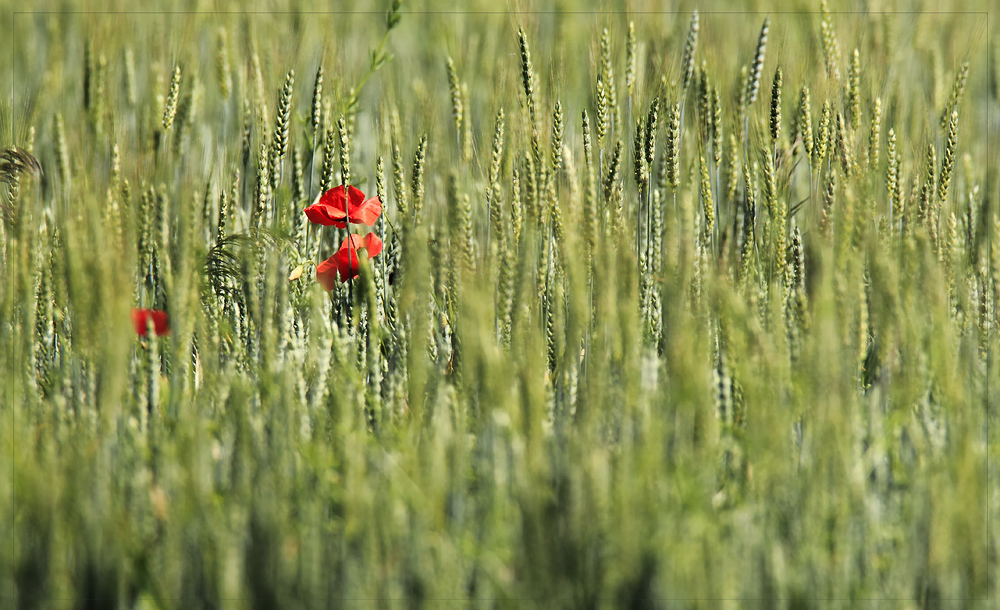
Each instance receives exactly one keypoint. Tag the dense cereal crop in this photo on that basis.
(659, 305)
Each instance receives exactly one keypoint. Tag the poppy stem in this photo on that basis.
(350, 253)
(153, 373)
(376, 58)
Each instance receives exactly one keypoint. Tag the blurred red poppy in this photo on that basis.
(142, 317)
(347, 262)
(330, 208)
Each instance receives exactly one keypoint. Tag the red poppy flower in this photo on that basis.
(347, 262)
(141, 318)
(329, 209)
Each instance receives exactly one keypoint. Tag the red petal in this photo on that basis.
(373, 245)
(326, 215)
(368, 212)
(356, 242)
(328, 209)
(160, 323)
(347, 263)
(142, 317)
(326, 273)
(357, 197)
(139, 317)
(333, 198)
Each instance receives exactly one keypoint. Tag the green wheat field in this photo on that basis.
(678, 305)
